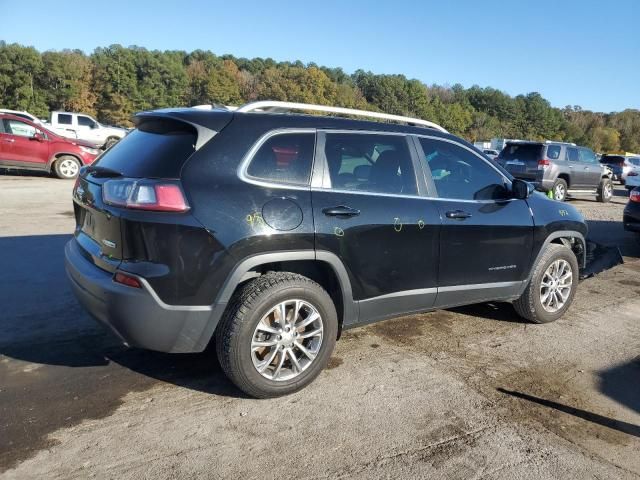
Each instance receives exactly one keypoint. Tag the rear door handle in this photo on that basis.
(9, 140)
(458, 214)
(340, 211)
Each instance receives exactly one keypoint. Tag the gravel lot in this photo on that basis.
(469, 393)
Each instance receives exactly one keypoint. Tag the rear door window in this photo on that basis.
(374, 163)
(586, 155)
(284, 158)
(64, 119)
(572, 154)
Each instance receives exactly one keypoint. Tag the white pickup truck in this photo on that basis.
(84, 127)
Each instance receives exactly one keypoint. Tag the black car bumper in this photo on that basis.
(631, 217)
(137, 315)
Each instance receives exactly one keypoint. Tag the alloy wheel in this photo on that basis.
(69, 168)
(287, 340)
(559, 192)
(556, 285)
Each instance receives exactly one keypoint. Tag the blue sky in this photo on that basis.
(573, 52)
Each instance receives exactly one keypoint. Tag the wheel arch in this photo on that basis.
(323, 267)
(566, 177)
(57, 155)
(569, 238)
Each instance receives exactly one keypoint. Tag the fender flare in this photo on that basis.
(350, 307)
(562, 234)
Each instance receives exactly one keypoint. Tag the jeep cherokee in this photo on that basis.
(268, 233)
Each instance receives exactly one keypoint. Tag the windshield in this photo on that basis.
(612, 159)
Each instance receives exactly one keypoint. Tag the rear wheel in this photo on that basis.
(560, 190)
(605, 190)
(66, 167)
(277, 334)
(552, 286)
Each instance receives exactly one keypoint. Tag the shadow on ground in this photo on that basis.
(622, 384)
(614, 424)
(58, 366)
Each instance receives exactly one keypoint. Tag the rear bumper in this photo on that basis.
(136, 315)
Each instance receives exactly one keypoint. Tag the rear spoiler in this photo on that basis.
(206, 124)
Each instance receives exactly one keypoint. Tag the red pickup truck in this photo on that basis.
(27, 146)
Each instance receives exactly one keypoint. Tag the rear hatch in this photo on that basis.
(615, 162)
(521, 159)
(157, 149)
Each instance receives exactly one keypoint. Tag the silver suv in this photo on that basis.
(560, 168)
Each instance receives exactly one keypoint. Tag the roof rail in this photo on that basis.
(274, 106)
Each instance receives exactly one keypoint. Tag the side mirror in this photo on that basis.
(521, 189)
(38, 137)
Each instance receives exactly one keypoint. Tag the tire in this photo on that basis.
(66, 167)
(110, 142)
(560, 190)
(258, 302)
(529, 306)
(605, 191)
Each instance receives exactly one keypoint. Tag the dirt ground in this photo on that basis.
(472, 392)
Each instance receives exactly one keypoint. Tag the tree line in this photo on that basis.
(114, 82)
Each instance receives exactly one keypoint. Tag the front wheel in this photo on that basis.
(277, 334)
(552, 286)
(605, 191)
(66, 167)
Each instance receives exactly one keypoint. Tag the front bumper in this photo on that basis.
(136, 315)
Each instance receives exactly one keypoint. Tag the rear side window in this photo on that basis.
(553, 152)
(156, 149)
(64, 119)
(461, 175)
(284, 158)
(370, 162)
(634, 161)
(523, 152)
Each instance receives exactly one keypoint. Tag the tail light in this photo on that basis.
(543, 164)
(154, 195)
(635, 196)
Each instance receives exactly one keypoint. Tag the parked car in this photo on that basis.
(491, 153)
(561, 168)
(86, 128)
(23, 114)
(269, 233)
(621, 166)
(631, 215)
(27, 146)
(633, 179)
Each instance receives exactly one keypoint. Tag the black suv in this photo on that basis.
(269, 233)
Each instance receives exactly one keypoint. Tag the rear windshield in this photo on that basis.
(156, 149)
(612, 159)
(524, 152)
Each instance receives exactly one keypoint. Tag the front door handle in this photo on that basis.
(340, 211)
(458, 214)
(9, 140)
